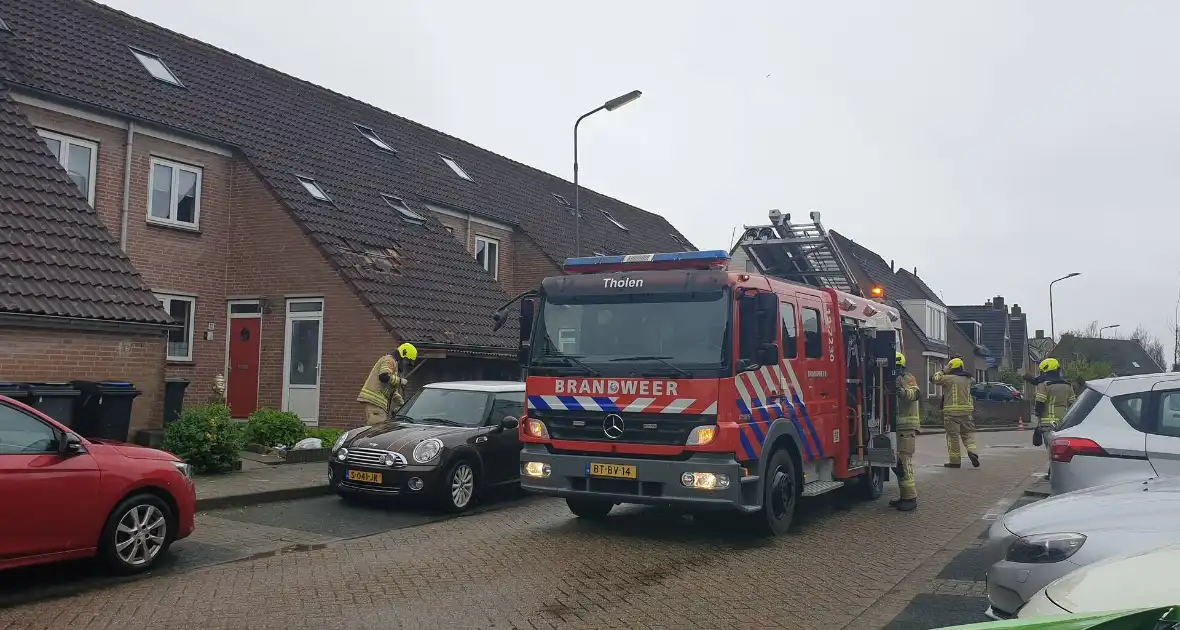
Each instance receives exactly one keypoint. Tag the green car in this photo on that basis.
(1166, 618)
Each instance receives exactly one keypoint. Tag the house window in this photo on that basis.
(614, 220)
(404, 210)
(450, 230)
(372, 136)
(175, 194)
(932, 366)
(487, 252)
(78, 157)
(183, 311)
(455, 167)
(313, 188)
(156, 67)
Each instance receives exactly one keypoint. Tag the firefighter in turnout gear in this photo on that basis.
(1053, 398)
(382, 389)
(957, 409)
(907, 434)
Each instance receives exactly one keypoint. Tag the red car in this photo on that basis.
(66, 497)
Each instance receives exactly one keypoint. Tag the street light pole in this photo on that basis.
(1052, 328)
(1104, 328)
(609, 106)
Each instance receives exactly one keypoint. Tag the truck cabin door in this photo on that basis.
(818, 373)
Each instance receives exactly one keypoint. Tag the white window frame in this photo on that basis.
(488, 240)
(562, 200)
(451, 162)
(174, 199)
(313, 188)
(143, 56)
(372, 136)
(934, 391)
(403, 209)
(191, 325)
(614, 220)
(64, 158)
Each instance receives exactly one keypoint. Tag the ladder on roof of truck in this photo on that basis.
(798, 252)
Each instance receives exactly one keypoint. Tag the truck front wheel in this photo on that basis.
(590, 509)
(780, 494)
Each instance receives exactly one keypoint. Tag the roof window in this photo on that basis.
(455, 167)
(403, 209)
(313, 188)
(155, 67)
(613, 220)
(562, 200)
(4, 26)
(372, 136)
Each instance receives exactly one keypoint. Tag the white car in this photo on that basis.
(1142, 580)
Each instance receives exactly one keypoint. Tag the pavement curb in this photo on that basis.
(266, 496)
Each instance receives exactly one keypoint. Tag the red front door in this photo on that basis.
(242, 382)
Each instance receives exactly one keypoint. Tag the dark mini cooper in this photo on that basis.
(449, 442)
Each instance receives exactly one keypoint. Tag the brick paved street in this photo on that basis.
(531, 565)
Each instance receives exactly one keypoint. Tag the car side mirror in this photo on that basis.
(70, 445)
(509, 423)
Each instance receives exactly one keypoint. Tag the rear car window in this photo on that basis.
(1130, 407)
(1080, 409)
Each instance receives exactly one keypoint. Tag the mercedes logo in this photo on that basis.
(613, 426)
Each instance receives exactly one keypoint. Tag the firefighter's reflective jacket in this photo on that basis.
(381, 394)
(1054, 397)
(956, 392)
(907, 402)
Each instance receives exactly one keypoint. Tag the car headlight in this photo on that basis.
(184, 469)
(427, 450)
(1044, 548)
(344, 438)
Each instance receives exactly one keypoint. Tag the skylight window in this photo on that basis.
(372, 136)
(455, 167)
(403, 209)
(562, 200)
(4, 26)
(156, 67)
(613, 220)
(313, 188)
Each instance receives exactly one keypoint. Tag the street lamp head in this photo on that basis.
(616, 103)
(1073, 274)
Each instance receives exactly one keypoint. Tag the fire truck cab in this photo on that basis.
(668, 379)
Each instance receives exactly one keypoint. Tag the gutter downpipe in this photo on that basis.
(126, 187)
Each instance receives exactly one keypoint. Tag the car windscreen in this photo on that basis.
(1079, 409)
(672, 334)
(454, 407)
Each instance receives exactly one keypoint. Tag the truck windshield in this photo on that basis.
(678, 335)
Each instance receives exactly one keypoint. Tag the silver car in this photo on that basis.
(1120, 429)
(1038, 543)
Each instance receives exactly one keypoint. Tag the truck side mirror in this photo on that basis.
(770, 354)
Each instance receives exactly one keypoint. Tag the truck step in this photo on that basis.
(817, 488)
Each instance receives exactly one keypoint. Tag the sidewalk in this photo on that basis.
(263, 484)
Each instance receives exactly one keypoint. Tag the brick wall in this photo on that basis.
(530, 265)
(31, 354)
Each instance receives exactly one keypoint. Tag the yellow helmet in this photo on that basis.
(407, 351)
(901, 359)
(1050, 365)
(955, 364)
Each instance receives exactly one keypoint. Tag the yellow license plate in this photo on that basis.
(622, 471)
(361, 475)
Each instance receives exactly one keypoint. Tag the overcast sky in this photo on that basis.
(993, 145)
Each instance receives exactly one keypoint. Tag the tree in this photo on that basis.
(1151, 345)
(1078, 370)
(1012, 377)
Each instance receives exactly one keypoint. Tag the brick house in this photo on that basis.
(72, 305)
(294, 232)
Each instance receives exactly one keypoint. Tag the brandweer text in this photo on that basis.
(628, 388)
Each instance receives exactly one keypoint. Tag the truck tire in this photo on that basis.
(590, 509)
(871, 485)
(780, 495)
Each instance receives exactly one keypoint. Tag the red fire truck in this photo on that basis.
(676, 379)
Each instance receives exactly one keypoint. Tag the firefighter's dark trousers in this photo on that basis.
(959, 426)
(907, 442)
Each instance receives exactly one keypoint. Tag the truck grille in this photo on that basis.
(638, 428)
(374, 457)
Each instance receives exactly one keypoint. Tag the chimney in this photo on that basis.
(998, 303)
(915, 271)
(988, 303)
(1016, 312)
(1040, 334)
(891, 265)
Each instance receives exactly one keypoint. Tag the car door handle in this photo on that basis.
(481, 439)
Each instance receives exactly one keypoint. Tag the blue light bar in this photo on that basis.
(716, 258)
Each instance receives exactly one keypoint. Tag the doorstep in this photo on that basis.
(262, 484)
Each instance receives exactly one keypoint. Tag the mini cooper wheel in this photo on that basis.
(137, 533)
(458, 491)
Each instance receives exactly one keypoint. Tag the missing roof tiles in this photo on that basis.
(450, 161)
(155, 66)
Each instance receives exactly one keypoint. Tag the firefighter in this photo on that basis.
(1054, 397)
(382, 389)
(907, 435)
(957, 410)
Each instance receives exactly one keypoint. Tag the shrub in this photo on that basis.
(271, 427)
(326, 435)
(206, 437)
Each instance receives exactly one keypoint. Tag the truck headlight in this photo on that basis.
(701, 436)
(1044, 548)
(427, 450)
(537, 429)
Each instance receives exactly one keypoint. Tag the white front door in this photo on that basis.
(301, 363)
